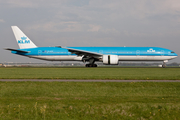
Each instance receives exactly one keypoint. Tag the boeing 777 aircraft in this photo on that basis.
(107, 55)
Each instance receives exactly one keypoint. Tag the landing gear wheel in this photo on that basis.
(94, 65)
(164, 65)
(91, 65)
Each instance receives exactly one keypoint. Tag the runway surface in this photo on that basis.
(58, 80)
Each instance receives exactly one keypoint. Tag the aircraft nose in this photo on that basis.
(175, 54)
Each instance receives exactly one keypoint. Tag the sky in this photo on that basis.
(131, 23)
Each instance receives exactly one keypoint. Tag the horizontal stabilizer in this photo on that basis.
(16, 50)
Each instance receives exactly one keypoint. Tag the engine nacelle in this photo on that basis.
(110, 59)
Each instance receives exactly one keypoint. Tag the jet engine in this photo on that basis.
(110, 59)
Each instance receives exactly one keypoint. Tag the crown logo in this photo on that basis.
(151, 50)
(23, 38)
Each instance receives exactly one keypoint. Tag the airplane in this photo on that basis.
(107, 55)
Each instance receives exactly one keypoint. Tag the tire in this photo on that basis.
(163, 65)
(94, 65)
(91, 65)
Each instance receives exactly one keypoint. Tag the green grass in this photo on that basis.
(91, 73)
(91, 101)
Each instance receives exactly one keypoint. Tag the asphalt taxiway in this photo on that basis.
(60, 80)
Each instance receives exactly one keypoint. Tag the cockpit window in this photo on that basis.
(172, 52)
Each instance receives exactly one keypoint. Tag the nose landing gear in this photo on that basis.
(164, 63)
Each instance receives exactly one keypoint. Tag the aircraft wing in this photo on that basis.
(16, 50)
(82, 52)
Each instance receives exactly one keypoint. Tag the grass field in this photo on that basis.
(81, 101)
(91, 101)
(91, 73)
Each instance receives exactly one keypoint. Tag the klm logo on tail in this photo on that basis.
(23, 41)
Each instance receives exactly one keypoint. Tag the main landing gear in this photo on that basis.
(91, 63)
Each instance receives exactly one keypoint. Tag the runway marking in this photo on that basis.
(59, 80)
